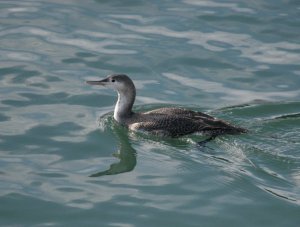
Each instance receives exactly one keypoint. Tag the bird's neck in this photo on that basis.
(123, 108)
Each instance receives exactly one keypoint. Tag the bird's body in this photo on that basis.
(171, 122)
(176, 122)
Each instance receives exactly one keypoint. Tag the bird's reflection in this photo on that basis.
(126, 154)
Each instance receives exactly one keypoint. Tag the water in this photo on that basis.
(237, 60)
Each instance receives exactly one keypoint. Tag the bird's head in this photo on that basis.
(118, 82)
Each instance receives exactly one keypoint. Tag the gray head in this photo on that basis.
(118, 82)
(126, 94)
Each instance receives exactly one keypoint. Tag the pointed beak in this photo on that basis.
(97, 82)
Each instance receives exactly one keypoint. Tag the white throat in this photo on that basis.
(121, 107)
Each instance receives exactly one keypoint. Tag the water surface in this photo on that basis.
(236, 60)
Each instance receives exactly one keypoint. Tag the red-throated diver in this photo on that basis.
(172, 122)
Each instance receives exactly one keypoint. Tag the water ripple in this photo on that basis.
(272, 53)
(56, 38)
(214, 4)
(230, 93)
(55, 131)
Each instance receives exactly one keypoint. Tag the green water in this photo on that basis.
(237, 60)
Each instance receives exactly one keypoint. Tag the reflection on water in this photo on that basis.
(126, 154)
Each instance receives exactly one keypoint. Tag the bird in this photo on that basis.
(164, 122)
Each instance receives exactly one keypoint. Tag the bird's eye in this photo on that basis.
(113, 80)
